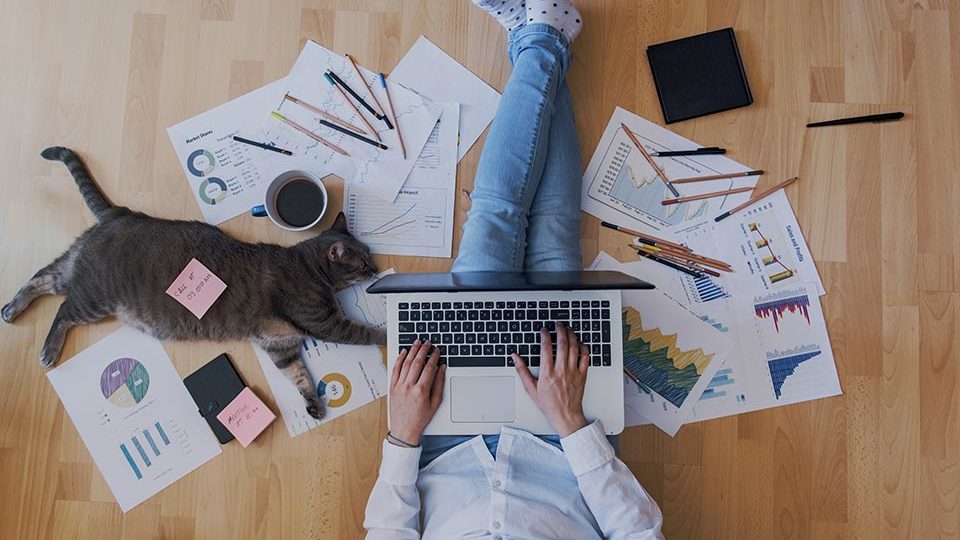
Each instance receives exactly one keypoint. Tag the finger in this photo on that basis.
(436, 391)
(546, 353)
(584, 358)
(429, 370)
(416, 367)
(560, 362)
(408, 359)
(573, 356)
(397, 367)
(526, 378)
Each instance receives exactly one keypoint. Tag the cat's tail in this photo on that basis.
(95, 199)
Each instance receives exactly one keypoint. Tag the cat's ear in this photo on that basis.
(340, 224)
(336, 251)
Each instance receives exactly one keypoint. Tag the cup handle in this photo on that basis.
(259, 211)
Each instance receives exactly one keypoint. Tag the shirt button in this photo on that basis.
(496, 525)
(496, 484)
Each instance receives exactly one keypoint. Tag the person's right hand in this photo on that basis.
(416, 390)
(559, 390)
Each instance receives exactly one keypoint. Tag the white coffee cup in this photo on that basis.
(295, 211)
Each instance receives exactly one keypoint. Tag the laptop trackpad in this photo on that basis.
(483, 399)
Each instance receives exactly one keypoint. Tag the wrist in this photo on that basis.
(408, 436)
(570, 423)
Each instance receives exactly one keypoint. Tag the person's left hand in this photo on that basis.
(416, 390)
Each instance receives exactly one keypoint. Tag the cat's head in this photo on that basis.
(345, 259)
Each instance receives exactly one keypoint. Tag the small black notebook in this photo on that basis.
(213, 387)
(699, 75)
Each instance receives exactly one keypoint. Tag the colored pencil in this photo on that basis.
(309, 133)
(386, 90)
(707, 150)
(756, 198)
(699, 259)
(336, 78)
(323, 114)
(370, 91)
(712, 194)
(716, 177)
(357, 136)
(670, 264)
(650, 160)
(631, 375)
(678, 259)
(885, 117)
(352, 106)
(263, 145)
(645, 238)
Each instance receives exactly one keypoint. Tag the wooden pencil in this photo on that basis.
(710, 195)
(393, 115)
(309, 133)
(649, 159)
(689, 255)
(715, 177)
(756, 198)
(369, 91)
(373, 132)
(645, 238)
(679, 259)
(324, 114)
(670, 264)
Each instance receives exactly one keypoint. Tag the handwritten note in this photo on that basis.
(197, 288)
(246, 416)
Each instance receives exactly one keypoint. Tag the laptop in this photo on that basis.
(477, 319)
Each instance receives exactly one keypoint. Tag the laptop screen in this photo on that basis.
(506, 281)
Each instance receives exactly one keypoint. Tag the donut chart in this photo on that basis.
(212, 190)
(124, 382)
(336, 387)
(201, 162)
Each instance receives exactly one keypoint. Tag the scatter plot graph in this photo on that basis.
(778, 305)
(124, 382)
(783, 365)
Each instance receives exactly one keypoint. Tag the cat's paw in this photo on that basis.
(8, 313)
(315, 407)
(48, 358)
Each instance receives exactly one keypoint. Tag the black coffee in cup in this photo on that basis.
(300, 202)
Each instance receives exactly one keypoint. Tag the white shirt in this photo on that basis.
(531, 490)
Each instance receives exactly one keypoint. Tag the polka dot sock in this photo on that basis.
(509, 13)
(560, 14)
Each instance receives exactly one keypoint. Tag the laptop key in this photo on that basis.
(607, 360)
(494, 338)
(405, 327)
(468, 305)
(519, 314)
(488, 305)
(435, 338)
(471, 338)
(605, 332)
(464, 350)
(484, 314)
(473, 315)
(524, 351)
(414, 315)
(531, 338)
(415, 305)
(491, 326)
(403, 316)
(488, 350)
(458, 338)
(444, 327)
(481, 338)
(406, 339)
(605, 303)
(403, 305)
(496, 315)
(433, 327)
(468, 326)
(504, 338)
(476, 350)
(514, 326)
(503, 326)
(500, 350)
(438, 315)
(456, 327)
(517, 338)
(421, 327)
(508, 315)
(526, 326)
(476, 361)
(446, 305)
(461, 315)
(595, 361)
(560, 314)
(458, 305)
(446, 338)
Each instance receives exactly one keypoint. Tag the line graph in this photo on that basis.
(777, 270)
(415, 218)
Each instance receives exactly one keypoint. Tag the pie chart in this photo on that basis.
(336, 388)
(124, 382)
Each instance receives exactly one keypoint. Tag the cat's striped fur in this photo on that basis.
(275, 295)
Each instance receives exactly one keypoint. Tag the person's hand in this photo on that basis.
(416, 390)
(559, 390)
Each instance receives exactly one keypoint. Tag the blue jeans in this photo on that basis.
(526, 197)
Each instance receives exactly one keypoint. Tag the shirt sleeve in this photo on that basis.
(621, 506)
(393, 510)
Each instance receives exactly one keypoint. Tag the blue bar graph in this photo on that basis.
(133, 464)
(707, 290)
(153, 445)
(163, 435)
(722, 378)
(143, 455)
(782, 368)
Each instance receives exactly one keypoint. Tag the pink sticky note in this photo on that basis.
(246, 417)
(197, 288)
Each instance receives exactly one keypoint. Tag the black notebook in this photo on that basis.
(213, 387)
(699, 75)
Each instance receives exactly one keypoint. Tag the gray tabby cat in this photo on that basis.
(275, 296)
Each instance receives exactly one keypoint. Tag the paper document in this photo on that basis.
(379, 173)
(619, 185)
(420, 221)
(223, 174)
(132, 411)
(347, 376)
(435, 75)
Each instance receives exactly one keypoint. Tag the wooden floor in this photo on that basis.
(877, 203)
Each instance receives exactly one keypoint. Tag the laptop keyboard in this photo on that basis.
(485, 334)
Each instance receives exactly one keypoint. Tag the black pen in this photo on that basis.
(359, 99)
(695, 152)
(346, 131)
(262, 145)
(673, 265)
(885, 117)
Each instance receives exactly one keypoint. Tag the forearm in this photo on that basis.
(393, 510)
(621, 506)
